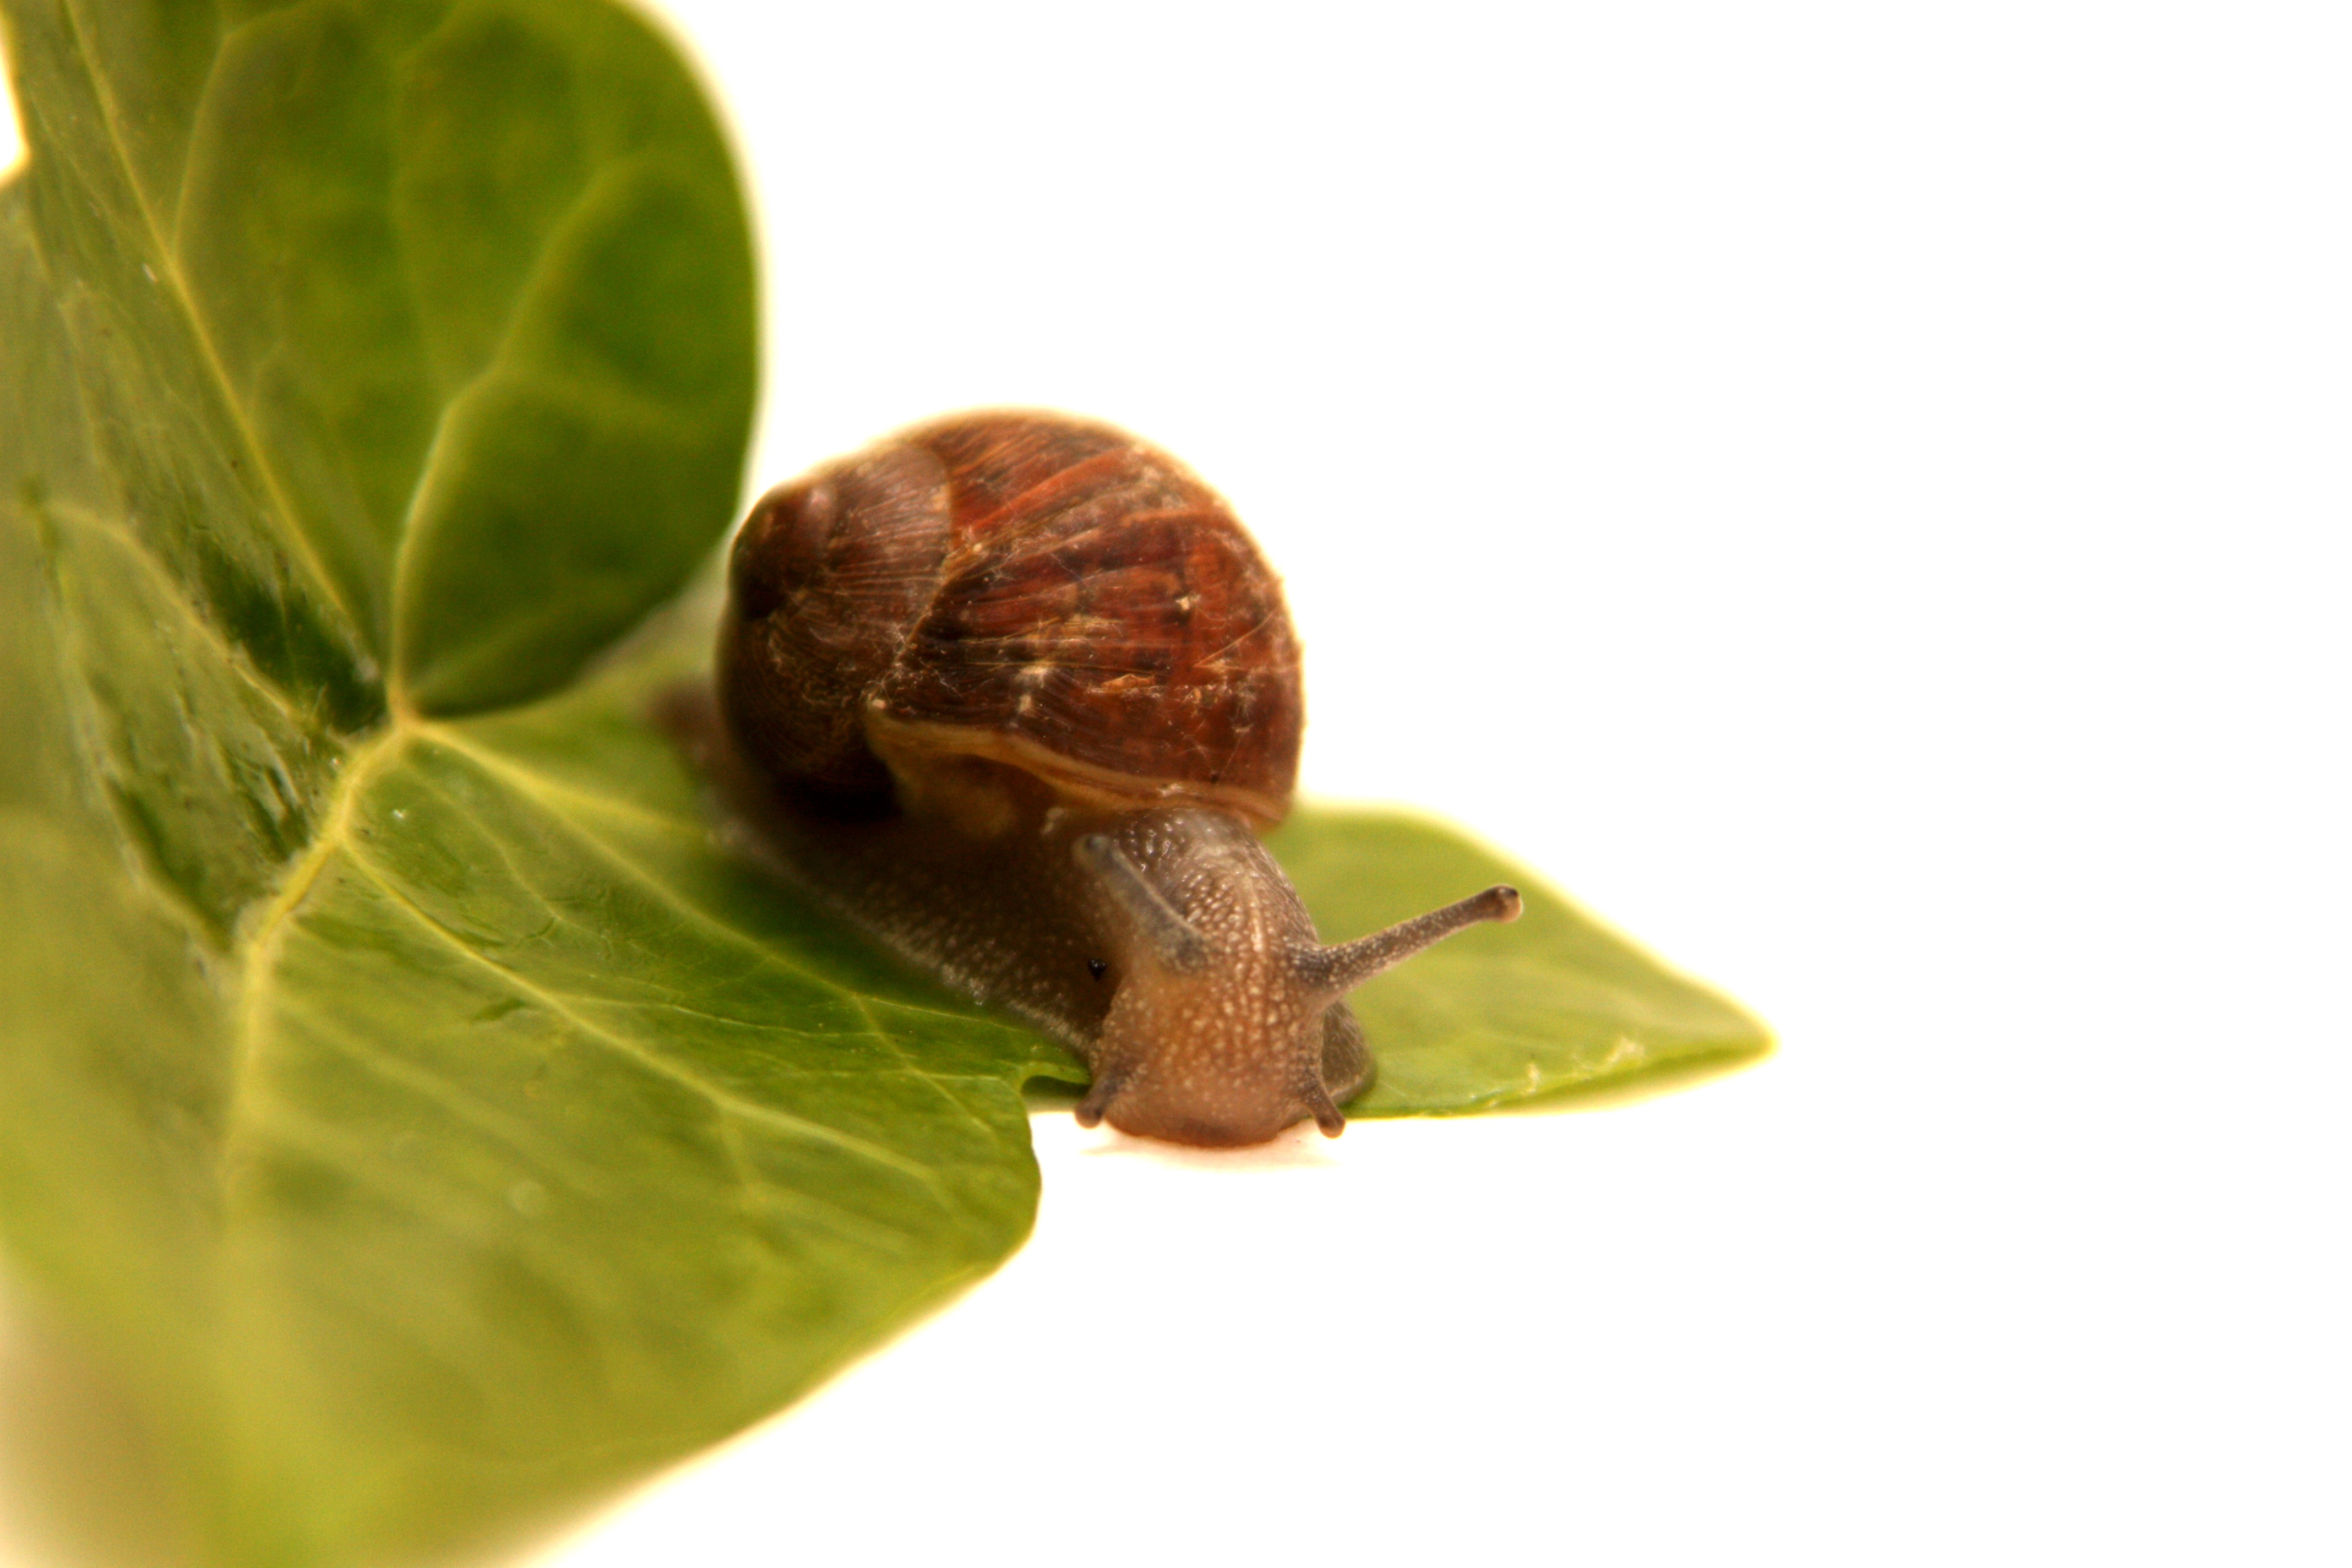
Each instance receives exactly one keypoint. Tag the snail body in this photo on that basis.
(1015, 693)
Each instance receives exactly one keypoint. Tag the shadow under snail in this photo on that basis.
(1014, 693)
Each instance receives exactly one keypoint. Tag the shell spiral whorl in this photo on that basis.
(1042, 591)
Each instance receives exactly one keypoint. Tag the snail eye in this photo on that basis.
(1097, 968)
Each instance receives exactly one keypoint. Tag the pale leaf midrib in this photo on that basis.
(405, 548)
(264, 933)
(293, 535)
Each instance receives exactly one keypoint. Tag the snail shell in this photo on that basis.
(1040, 592)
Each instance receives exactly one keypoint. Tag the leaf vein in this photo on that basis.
(264, 939)
(167, 253)
(858, 1000)
(406, 551)
(720, 1098)
(546, 791)
(472, 1109)
(174, 590)
(522, 779)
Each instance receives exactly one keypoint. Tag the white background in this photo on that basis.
(1858, 495)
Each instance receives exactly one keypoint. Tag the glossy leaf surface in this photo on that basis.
(1553, 1004)
(426, 329)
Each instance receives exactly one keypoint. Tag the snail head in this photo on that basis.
(1219, 1032)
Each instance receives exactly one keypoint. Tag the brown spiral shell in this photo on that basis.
(1027, 588)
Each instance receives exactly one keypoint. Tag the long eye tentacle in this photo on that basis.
(1338, 969)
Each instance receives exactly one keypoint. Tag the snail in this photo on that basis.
(1015, 693)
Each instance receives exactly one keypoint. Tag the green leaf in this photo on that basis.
(521, 1143)
(378, 291)
(1549, 1005)
(421, 1115)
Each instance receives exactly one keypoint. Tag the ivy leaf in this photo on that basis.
(376, 292)
(395, 1083)
(1550, 1006)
